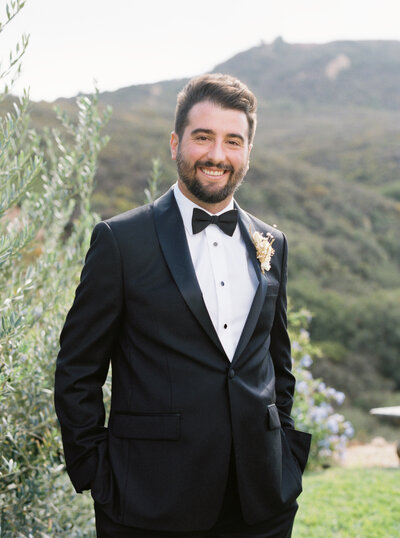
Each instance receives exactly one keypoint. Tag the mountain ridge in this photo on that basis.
(304, 73)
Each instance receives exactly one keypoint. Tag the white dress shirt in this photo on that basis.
(225, 274)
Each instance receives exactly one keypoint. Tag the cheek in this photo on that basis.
(240, 164)
(239, 159)
(195, 154)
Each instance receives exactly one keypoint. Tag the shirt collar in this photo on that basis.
(186, 207)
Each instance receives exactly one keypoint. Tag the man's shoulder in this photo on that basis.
(131, 216)
(135, 226)
(132, 227)
(138, 216)
(134, 222)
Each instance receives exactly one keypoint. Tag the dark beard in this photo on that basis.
(187, 174)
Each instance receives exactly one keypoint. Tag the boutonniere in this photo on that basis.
(264, 249)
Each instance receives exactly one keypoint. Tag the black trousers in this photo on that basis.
(230, 523)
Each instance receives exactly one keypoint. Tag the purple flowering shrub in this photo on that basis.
(314, 409)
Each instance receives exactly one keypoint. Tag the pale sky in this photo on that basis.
(123, 42)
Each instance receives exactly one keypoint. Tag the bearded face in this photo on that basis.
(212, 154)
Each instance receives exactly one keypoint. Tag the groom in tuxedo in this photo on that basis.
(190, 311)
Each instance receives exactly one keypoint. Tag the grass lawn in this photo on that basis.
(350, 503)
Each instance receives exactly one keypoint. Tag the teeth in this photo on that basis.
(213, 172)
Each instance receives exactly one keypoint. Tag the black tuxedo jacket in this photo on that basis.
(178, 405)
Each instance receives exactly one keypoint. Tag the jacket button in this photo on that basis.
(231, 373)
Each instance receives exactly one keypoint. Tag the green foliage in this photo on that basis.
(12, 69)
(39, 268)
(349, 503)
(152, 191)
(46, 185)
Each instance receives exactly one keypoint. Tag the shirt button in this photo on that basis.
(215, 244)
(231, 373)
(222, 283)
(225, 326)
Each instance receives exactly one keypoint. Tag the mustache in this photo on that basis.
(209, 164)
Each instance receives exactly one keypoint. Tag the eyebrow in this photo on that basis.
(210, 131)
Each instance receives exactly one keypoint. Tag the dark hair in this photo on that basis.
(223, 90)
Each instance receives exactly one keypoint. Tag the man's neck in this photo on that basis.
(211, 208)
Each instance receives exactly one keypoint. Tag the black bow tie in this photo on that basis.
(226, 221)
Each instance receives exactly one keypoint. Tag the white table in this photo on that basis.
(392, 413)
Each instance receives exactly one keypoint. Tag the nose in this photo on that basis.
(216, 152)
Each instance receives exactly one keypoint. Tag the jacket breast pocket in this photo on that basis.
(146, 426)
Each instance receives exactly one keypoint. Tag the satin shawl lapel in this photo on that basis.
(171, 233)
(245, 227)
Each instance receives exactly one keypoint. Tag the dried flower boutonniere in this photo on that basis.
(264, 249)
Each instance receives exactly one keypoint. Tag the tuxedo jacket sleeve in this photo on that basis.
(87, 341)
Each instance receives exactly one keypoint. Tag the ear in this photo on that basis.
(173, 144)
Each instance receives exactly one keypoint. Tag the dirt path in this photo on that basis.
(377, 453)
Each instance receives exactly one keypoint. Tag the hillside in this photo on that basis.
(355, 73)
(325, 168)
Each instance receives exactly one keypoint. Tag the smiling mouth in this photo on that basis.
(213, 173)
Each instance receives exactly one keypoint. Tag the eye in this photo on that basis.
(234, 143)
(202, 138)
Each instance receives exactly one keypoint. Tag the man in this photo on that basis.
(199, 440)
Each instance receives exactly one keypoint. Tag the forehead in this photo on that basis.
(208, 115)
